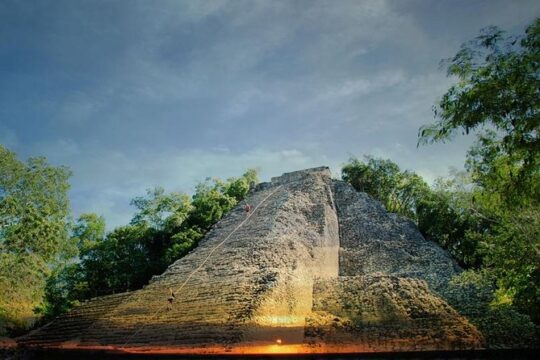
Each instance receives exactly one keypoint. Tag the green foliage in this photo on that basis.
(88, 231)
(34, 211)
(63, 287)
(448, 215)
(165, 227)
(182, 242)
(77, 278)
(498, 87)
(473, 294)
(377, 177)
(398, 190)
(160, 211)
(238, 188)
(34, 206)
(118, 263)
(513, 255)
(490, 167)
(22, 280)
(211, 202)
(498, 91)
(512, 240)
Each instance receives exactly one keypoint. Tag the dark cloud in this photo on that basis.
(133, 94)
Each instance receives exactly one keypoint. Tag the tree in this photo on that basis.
(210, 203)
(448, 215)
(213, 199)
(88, 232)
(498, 93)
(165, 227)
(239, 187)
(159, 210)
(498, 88)
(34, 214)
(162, 216)
(398, 190)
(71, 281)
(65, 286)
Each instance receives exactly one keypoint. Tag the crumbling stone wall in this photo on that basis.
(386, 296)
(379, 312)
(373, 240)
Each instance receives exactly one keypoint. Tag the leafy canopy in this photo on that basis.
(165, 227)
(498, 89)
(498, 92)
(398, 190)
(34, 214)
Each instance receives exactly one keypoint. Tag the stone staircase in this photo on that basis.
(72, 325)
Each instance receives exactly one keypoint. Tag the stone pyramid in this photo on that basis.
(314, 267)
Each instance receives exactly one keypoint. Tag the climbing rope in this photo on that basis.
(177, 291)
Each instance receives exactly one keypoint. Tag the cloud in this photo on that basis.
(135, 94)
(106, 182)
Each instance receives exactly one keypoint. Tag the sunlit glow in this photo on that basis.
(278, 341)
(241, 349)
(280, 320)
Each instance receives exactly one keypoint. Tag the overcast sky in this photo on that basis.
(133, 94)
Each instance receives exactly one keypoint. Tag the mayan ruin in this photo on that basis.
(314, 267)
